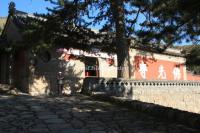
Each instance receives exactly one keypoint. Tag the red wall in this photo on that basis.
(153, 65)
(192, 77)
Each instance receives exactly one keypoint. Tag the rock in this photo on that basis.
(8, 89)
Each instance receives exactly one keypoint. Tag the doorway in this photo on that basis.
(91, 67)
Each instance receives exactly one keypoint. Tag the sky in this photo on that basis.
(29, 6)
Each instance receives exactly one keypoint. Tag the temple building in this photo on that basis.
(37, 74)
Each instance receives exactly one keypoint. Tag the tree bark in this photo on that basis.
(117, 8)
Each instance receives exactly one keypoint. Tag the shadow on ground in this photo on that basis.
(77, 114)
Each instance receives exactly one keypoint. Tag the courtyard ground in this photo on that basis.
(77, 114)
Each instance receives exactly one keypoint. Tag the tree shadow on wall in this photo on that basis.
(39, 84)
(72, 78)
(145, 57)
(44, 78)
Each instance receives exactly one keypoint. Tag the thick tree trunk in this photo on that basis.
(117, 8)
(123, 59)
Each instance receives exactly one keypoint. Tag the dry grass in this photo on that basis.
(2, 23)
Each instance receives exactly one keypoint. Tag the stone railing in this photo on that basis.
(183, 95)
(124, 87)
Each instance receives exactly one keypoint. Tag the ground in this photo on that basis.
(76, 114)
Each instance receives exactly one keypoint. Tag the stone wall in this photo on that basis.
(43, 75)
(3, 68)
(158, 66)
(106, 70)
(183, 95)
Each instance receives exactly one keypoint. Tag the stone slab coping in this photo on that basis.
(125, 82)
(166, 113)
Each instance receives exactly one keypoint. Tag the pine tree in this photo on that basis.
(170, 21)
(69, 24)
(70, 21)
(192, 54)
